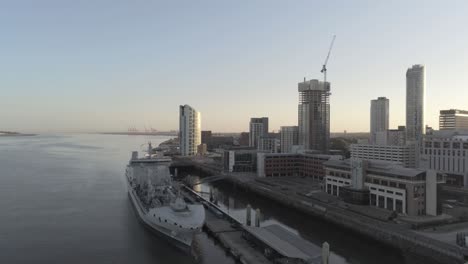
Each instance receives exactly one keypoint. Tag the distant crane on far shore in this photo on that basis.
(324, 67)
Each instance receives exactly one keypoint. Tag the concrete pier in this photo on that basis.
(272, 243)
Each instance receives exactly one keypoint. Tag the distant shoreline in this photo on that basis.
(170, 134)
(15, 134)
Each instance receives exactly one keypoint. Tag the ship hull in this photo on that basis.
(159, 231)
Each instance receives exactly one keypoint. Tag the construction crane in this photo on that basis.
(324, 67)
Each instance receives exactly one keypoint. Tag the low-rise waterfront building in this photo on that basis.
(390, 185)
(292, 164)
(240, 160)
(446, 151)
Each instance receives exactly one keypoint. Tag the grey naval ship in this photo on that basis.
(159, 203)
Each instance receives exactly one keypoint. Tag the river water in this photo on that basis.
(63, 200)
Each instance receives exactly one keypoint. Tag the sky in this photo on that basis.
(90, 66)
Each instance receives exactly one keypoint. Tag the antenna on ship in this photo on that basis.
(150, 149)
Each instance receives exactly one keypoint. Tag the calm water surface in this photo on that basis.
(63, 200)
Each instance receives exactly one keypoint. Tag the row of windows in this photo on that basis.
(444, 152)
(446, 145)
(340, 174)
(386, 203)
(449, 164)
(335, 180)
(387, 191)
(386, 183)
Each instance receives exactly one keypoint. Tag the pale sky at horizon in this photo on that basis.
(107, 65)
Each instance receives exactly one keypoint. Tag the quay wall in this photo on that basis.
(393, 236)
(389, 234)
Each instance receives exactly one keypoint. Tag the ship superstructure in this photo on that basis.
(158, 201)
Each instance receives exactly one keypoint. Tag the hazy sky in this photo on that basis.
(107, 65)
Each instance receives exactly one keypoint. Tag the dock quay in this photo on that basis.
(321, 206)
(255, 244)
(388, 233)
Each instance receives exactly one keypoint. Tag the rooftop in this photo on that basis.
(392, 169)
(286, 243)
(322, 156)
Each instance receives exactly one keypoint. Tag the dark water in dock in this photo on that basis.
(346, 247)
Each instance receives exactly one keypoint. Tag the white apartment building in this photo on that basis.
(415, 102)
(446, 151)
(379, 117)
(404, 154)
(415, 106)
(268, 144)
(258, 126)
(288, 138)
(190, 130)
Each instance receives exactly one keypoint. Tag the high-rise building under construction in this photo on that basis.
(314, 115)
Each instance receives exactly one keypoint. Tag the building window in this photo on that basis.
(381, 202)
(399, 206)
(335, 190)
(373, 199)
(390, 204)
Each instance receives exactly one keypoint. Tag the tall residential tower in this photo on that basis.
(257, 127)
(415, 102)
(415, 106)
(379, 117)
(190, 130)
(314, 115)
